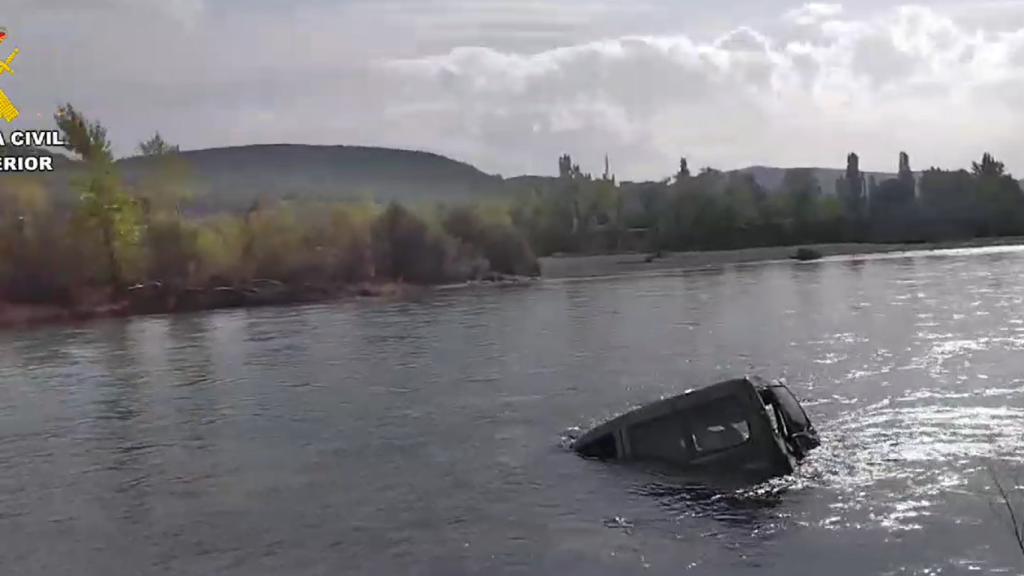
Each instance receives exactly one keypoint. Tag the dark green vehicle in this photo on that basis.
(745, 431)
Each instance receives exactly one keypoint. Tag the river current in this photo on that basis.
(428, 437)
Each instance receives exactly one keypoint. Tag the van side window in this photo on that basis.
(664, 439)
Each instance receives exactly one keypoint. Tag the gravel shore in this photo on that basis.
(617, 264)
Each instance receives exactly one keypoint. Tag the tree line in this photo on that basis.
(712, 209)
(121, 234)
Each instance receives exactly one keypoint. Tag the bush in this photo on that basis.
(804, 253)
(405, 249)
(47, 257)
(504, 247)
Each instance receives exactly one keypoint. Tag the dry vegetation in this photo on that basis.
(1010, 503)
(130, 247)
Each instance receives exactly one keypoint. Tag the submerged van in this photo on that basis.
(745, 430)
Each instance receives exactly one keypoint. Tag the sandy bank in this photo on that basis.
(616, 264)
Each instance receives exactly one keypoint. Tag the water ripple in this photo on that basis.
(419, 438)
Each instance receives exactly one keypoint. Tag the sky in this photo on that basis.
(509, 85)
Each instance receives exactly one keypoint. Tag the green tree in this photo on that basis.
(32, 243)
(172, 244)
(892, 203)
(988, 166)
(999, 198)
(502, 246)
(947, 202)
(743, 196)
(854, 189)
(906, 176)
(572, 181)
(166, 183)
(406, 250)
(684, 170)
(105, 205)
(157, 146)
(804, 191)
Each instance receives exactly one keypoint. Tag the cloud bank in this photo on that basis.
(510, 86)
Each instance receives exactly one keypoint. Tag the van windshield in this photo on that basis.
(791, 409)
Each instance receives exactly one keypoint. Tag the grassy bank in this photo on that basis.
(617, 264)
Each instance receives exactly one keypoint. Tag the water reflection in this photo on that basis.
(125, 447)
(906, 264)
(855, 264)
(749, 510)
(190, 368)
(49, 346)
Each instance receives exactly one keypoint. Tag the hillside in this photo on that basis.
(232, 178)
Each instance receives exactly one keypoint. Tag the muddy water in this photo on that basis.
(424, 438)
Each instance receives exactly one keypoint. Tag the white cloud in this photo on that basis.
(813, 13)
(510, 86)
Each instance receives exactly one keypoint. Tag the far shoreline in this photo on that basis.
(572, 266)
(558, 267)
(15, 316)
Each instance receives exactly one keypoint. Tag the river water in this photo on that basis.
(427, 437)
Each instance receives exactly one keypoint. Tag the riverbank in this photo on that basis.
(154, 298)
(557, 267)
(142, 301)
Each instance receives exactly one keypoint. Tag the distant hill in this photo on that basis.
(232, 178)
(771, 177)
